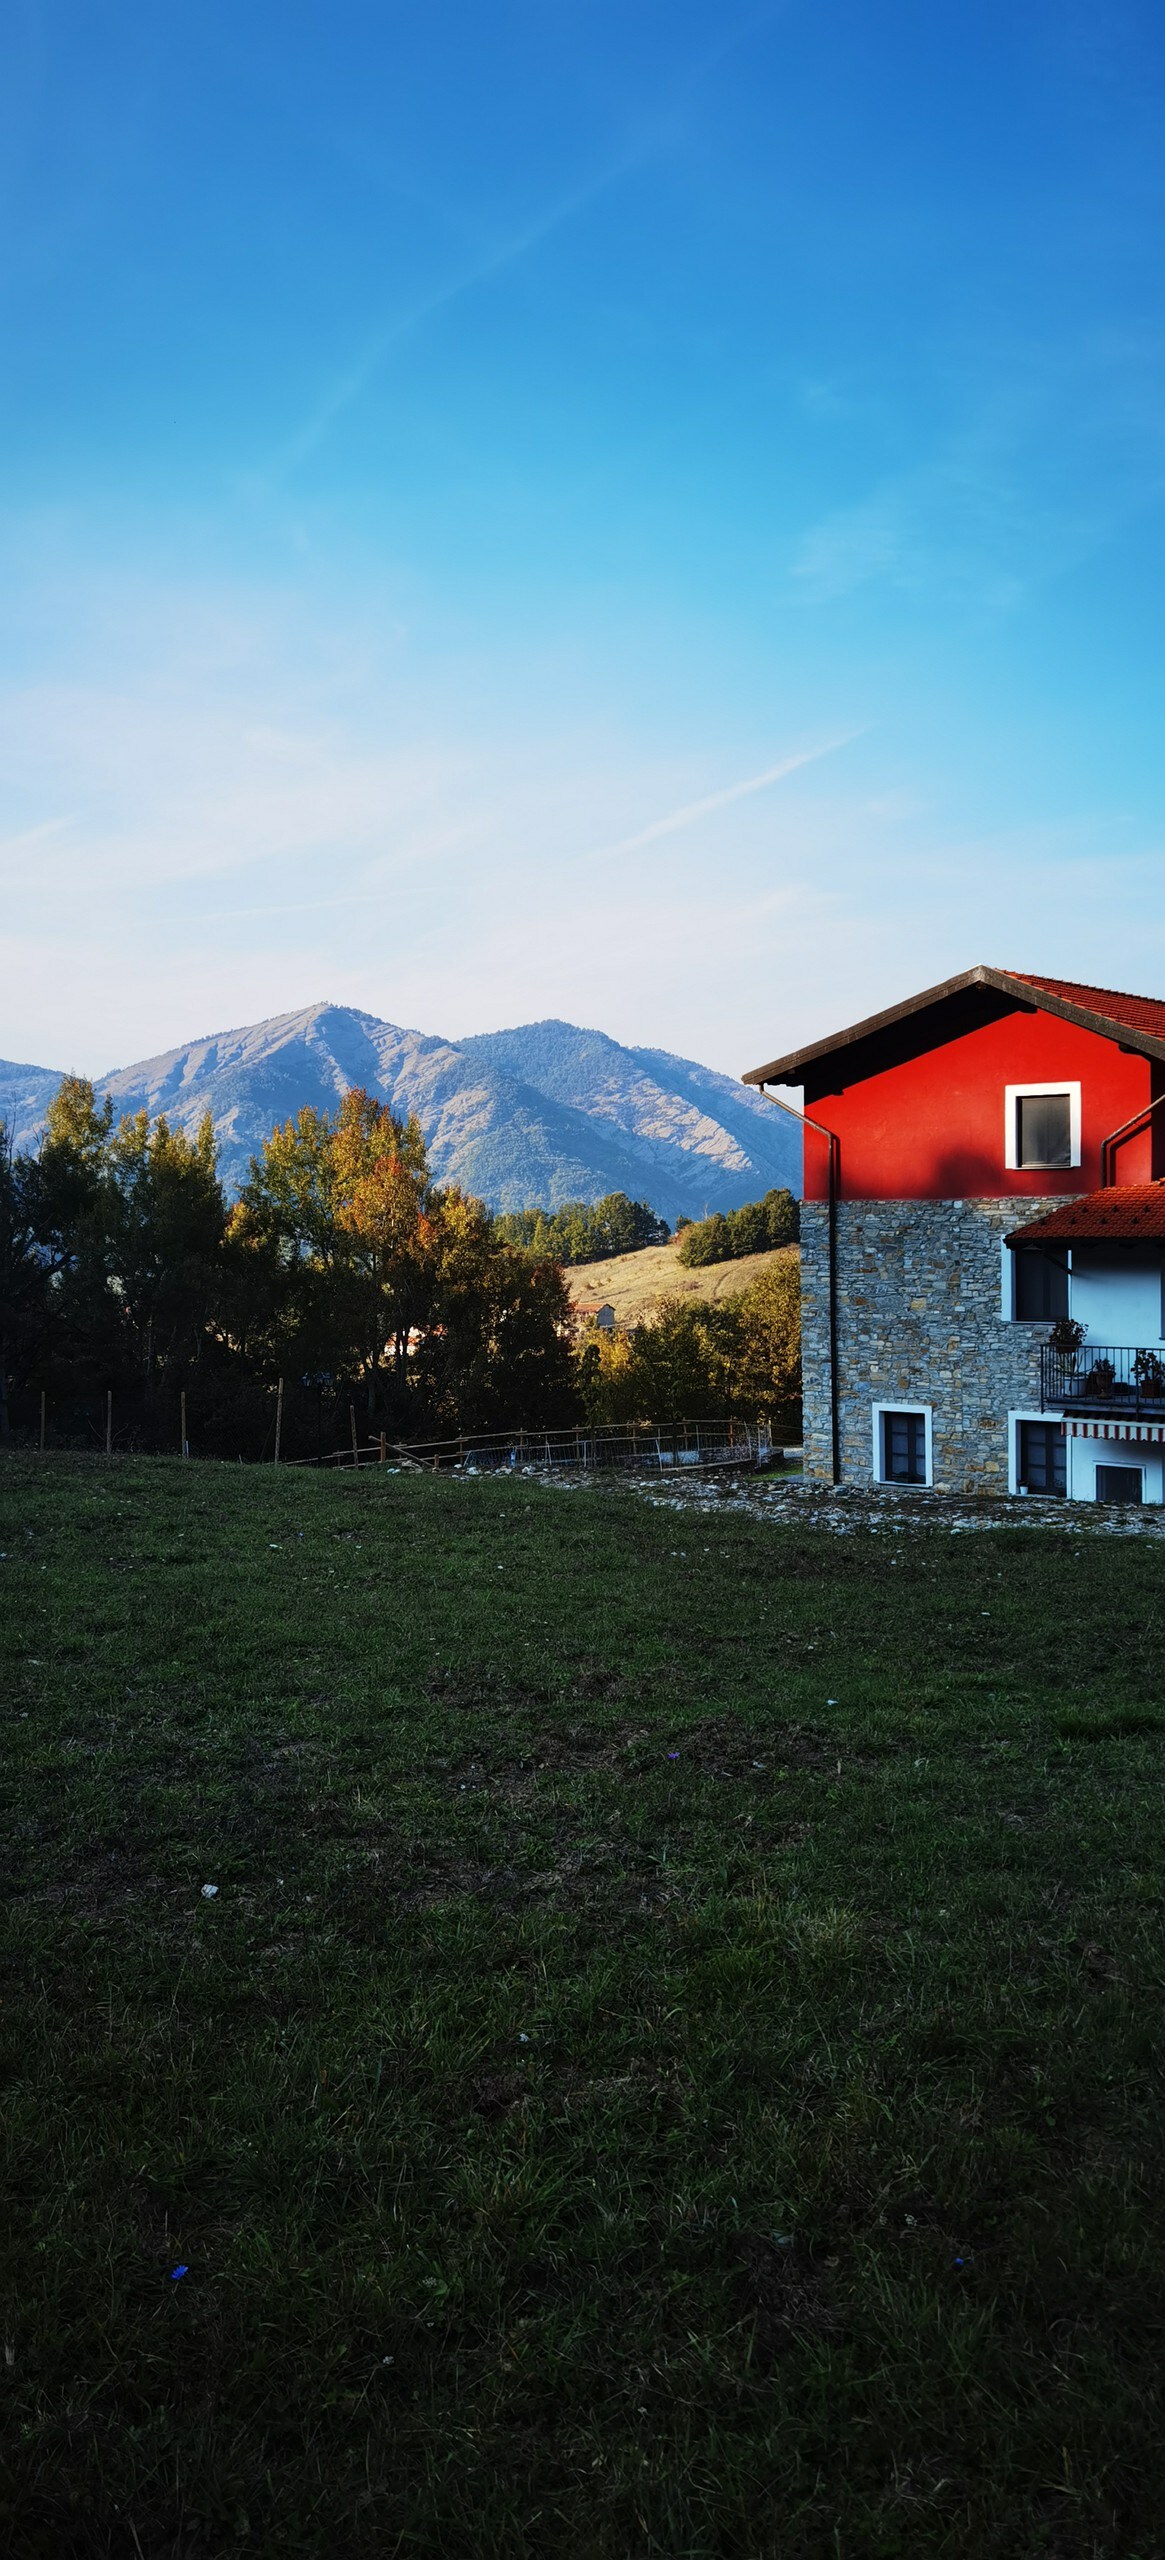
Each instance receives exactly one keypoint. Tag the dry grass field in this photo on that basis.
(635, 1283)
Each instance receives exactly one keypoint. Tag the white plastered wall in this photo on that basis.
(1117, 1295)
(1085, 1456)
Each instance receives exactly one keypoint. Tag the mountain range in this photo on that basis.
(522, 1118)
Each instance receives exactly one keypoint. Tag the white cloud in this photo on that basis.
(225, 808)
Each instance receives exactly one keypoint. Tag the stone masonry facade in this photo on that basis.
(920, 1321)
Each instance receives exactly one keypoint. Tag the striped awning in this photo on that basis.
(1150, 1434)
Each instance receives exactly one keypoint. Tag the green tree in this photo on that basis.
(766, 1358)
(74, 1215)
(726, 1237)
(166, 1218)
(25, 1273)
(584, 1231)
(332, 1241)
(499, 1347)
(692, 1361)
(348, 1262)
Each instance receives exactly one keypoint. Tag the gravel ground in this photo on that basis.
(797, 1501)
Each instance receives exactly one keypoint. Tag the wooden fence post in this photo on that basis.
(183, 1447)
(109, 1422)
(352, 1420)
(383, 1450)
(278, 1422)
(42, 1422)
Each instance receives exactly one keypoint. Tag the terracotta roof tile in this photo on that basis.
(1127, 1213)
(1141, 1013)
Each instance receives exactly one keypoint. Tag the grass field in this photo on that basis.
(635, 1284)
(670, 2065)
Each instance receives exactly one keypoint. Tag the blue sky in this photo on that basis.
(449, 452)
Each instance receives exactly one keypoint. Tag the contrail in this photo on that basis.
(34, 835)
(695, 809)
(351, 384)
(676, 818)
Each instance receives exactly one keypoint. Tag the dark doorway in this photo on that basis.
(1043, 1458)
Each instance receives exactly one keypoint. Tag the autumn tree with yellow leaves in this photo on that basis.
(350, 1262)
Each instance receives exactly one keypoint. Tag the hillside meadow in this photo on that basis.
(636, 1284)
(535, 2024)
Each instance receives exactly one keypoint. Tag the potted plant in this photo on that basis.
(1066, 1339)
(1149, 1372)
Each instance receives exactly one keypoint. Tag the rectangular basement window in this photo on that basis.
(1042, 1127)
(1120, 1484)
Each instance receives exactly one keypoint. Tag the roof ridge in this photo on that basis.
(1136, 1022)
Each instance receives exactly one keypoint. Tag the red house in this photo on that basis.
(955, 1298)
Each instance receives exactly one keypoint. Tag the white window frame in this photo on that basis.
(1008, 1291)
(902, 1406)
(1030, 1413)
(1007, 1283)
(1013, 1095)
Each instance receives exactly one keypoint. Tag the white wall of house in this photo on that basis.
(1085, 1456)
(1116, 1293)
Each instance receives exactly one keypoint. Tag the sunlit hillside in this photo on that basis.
(634, 1283)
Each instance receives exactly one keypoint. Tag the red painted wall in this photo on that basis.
(932, 1127)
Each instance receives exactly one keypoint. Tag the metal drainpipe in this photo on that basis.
(834, 1143)
(1115, 1138)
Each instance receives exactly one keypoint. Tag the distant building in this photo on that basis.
(596, 1311)
(982, 1302)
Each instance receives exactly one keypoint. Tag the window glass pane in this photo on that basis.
(1045, 1129)
(1118, 1484)
(904, 1448)
(1041, 1286)
(1043, 1458)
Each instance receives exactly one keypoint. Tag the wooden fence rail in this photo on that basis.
(685, 1446)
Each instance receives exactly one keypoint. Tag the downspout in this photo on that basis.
(1116, 1138)
(834, 1144)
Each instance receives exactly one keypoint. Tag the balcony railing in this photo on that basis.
(1104, 1379)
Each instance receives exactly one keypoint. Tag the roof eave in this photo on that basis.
(1036, 999)
(1068, 1224)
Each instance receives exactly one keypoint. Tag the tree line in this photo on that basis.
(384, 1301)
(585, 1231)
(730, 1234)
(342, 1268)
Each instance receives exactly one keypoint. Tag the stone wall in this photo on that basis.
(919, 1320)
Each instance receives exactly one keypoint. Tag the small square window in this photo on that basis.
(904, 1448)
(1120, 1484)
(1043, 1129)
(1043, 1456)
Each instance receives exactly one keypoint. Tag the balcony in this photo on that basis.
(1104, 1381)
